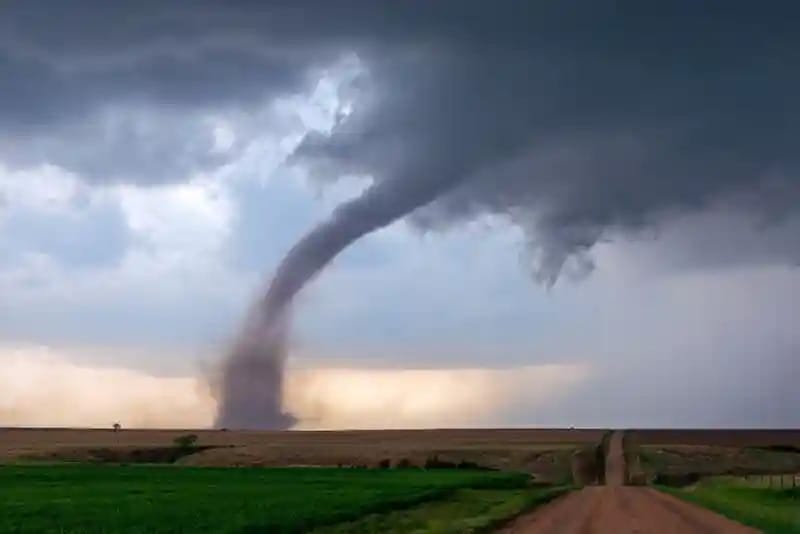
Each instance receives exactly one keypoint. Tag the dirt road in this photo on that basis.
(615, 461)
(621, 509)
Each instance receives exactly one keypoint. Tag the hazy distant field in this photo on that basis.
(140, 499)
(545, 453)
(26, 437)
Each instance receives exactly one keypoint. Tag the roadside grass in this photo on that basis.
(669, 464)
(771, 510)
(465, 511)
(148, 498)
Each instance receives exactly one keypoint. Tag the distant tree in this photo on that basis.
(117, 427)
(186, 441)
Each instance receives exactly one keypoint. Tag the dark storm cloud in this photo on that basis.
(598, 114)
(594, 121)
(118, 91)
(576, 120)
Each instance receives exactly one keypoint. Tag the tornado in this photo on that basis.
(251, 388)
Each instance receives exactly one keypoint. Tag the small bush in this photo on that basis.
(584, 466)
(186, 441)
(677, 480)
(434, 462)
(779, 448)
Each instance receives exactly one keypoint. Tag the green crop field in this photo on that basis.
(467, 510)
(128, 499)
(770, 510)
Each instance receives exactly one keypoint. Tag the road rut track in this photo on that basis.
(621, 509)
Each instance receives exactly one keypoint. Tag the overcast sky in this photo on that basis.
(603, 223)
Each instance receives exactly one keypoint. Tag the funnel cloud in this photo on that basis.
(252, 382)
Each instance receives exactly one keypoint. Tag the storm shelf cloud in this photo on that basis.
(577, 122)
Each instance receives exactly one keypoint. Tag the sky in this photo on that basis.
(595, 210)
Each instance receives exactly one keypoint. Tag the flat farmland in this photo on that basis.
(544, 453)
(720, 438)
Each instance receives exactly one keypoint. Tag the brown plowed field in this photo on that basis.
(13, 440)
(543, 452)
(719, 438)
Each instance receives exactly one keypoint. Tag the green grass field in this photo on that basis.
(771, 510)
(465, 511)
(138, 499)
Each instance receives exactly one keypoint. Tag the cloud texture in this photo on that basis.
(576, 121)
